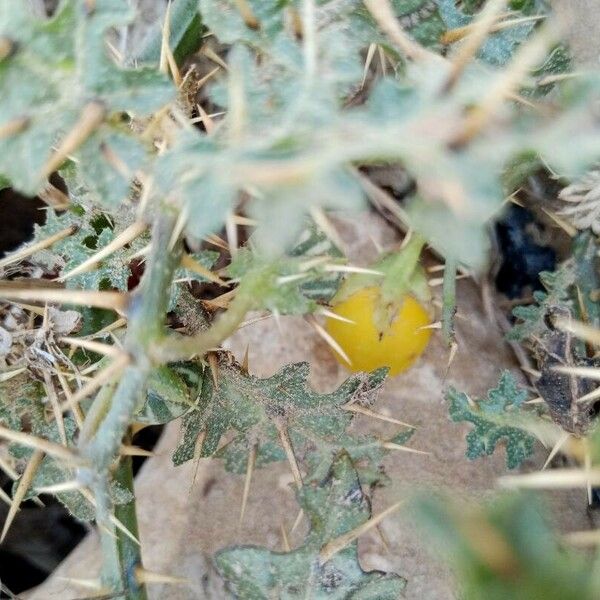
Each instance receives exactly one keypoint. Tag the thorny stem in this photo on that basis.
(112, 574)
(106, 425)
(128, 550)
(584, 253)
(120, 554)
(96, 413)
(146, 312)
(449, 301)
(108, 420)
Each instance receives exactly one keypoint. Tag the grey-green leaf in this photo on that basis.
(172, 391)
(334, 505)
(495, 418)
(57, 68)
(252, 407)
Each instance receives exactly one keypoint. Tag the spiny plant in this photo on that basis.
(506, 550)
(168, 164)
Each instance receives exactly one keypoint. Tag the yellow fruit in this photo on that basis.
(397, 347)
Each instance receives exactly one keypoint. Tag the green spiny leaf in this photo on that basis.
(58, 66)
(172, 391)
(531, 318)
(492, 420)
(334, 505)
(366, 451)
(185, 34)
(226, 21)
(298, 280)
(251, 406)
(20, 397)
(92, 233)
(52, 472)
(499, 47)
(183, 277)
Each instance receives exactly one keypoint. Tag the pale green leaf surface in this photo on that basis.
(91, 235)
(183, 277)
(295, 286)
(531, 317)
(58, 66)
(172, 391)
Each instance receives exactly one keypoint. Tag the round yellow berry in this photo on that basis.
(367, 348)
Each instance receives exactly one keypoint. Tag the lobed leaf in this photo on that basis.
(250, 406)
(491, 418)
(334, 505)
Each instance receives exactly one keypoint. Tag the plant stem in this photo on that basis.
(121, 554)
(586, 258)
(113, 574)
(108, 420)
(106, 425)
(449, 301)
(104, 445)
(146, 313)
(128, 550)
(96, 413)
(180, 347)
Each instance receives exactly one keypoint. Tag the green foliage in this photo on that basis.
(334, 505)
(183, 277)
(298, 119)
(55, 69)
(434, 221)
(498, 47)
(22, 400)
(575, 279)
(257, 409)
(300, 280)
(229, 26)
(314, 245)
(506, 551)
(172, 391)
(284, 129)
(367, 453)
(493, 418)
(585, 255)
(288, 130)
(558, 61)
(92, 232)
(185, 30)
(531, 318)
(52, 472)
